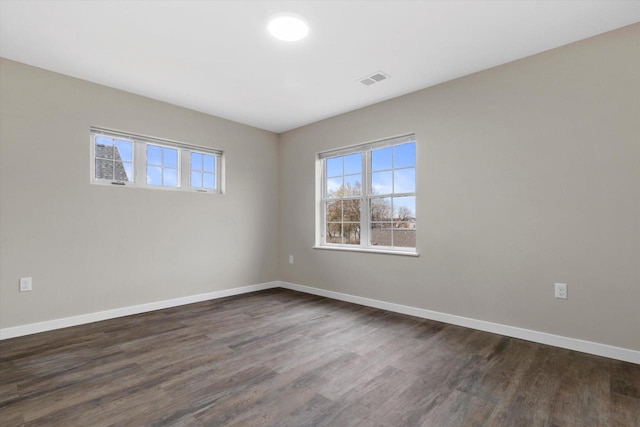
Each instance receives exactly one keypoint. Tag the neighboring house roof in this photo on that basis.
(109, 163)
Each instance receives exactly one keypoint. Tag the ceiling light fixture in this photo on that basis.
(288, 27)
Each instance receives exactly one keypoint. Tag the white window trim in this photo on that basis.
(139, 162)
(369, 249)
(364, 198)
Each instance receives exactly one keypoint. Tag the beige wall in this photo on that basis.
(528, 174)
(91, 248)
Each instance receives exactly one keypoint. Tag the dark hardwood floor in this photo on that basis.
(284, 358)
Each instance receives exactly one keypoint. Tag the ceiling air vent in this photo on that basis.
(374, 78)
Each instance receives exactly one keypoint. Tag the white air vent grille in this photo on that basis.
(373, 78)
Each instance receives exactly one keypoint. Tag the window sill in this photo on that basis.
(375, 251)
(134, 184)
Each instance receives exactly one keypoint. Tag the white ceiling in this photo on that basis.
(216, 56)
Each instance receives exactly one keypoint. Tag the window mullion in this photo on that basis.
(218, 166)
(342, 219)
(323, 222)
(140, 159)
(179, 168)
(92, 167)
(393, 173)
(134, 158)
(365, 240)
(184, 168)
(323, 204)
(113, 163)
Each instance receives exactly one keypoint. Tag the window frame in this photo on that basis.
(364, 198)
(179, 169)
(326, 199)
(139, 162)
(92, 169)
(216, 172)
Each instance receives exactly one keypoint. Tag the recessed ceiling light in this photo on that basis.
(288, 27)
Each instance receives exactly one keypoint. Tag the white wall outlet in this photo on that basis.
(290, 259)
(25, 284)
(561, 290)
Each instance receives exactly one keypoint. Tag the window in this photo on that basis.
(342, 199)
(162, 166)
(113, 159)
(203, 171)
(368, 196)
(119, 158)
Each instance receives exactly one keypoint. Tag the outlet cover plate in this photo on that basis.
(25, 284)
(561, 290)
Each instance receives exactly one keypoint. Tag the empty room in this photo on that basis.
(320, 213)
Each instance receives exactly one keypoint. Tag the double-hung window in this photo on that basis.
(120, 158)
(368, 196)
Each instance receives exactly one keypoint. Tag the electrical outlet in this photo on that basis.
(561, 290)
(25, 284)
(290, 259)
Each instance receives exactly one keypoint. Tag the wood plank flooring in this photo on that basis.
(284, 358)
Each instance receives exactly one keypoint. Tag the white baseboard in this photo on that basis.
(597, 349)
(49, 325)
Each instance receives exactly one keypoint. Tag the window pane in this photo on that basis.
(128, 168)
(334, 166)
(104, 169)
(123, 150)
(404, 180)
(154, 155)
(333, 211)
(352, 185)
(381, 183)
(334, 187)
(404, 235)
(334, 234)
(170, 157)
(381, 234)
(209, 163)
(170, 177)
(196, 161)
(104, 148)
(196, 179)
(351, 210)
(404, 155)
(351, 233)
(381, 159)
(353, 164)
(119, 172)
(404, 209)
(380, 209)
(154, 175)
(209, 181)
